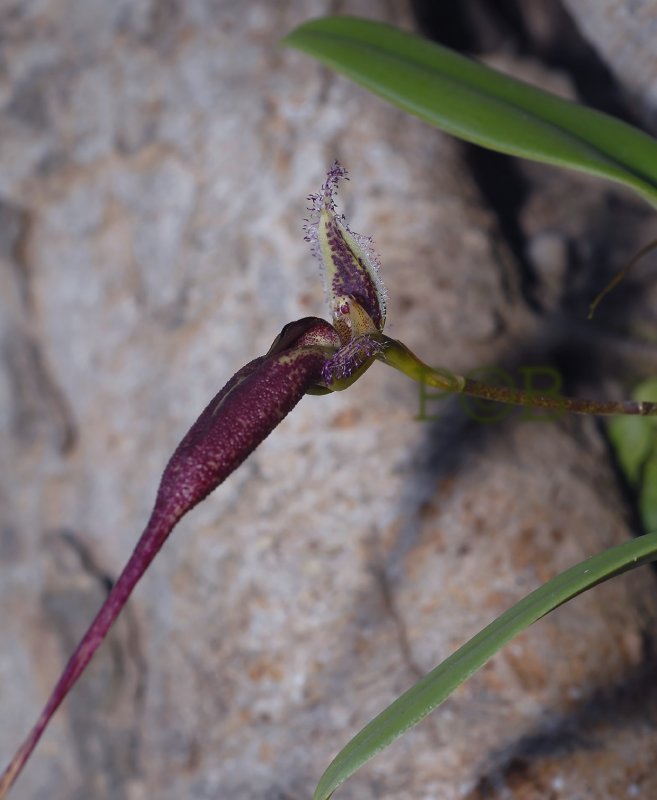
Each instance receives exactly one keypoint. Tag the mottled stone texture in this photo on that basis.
(624, 33)
(154, 163)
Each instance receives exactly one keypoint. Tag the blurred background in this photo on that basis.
(155, 159)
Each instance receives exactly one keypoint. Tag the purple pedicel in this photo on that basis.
(244, 413)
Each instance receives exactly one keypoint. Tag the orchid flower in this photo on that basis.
(309, 356)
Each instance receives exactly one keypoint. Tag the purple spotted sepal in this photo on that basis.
(349, 264)
(234, 423)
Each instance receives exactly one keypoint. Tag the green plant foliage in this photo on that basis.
(479, 104)
(634, 440)
(435, 687)
(648, 497)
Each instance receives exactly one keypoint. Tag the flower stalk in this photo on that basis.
(397, 355)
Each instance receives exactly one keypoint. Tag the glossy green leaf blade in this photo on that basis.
(437, 685)
(479, 104)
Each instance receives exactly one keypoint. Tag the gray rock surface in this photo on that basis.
(623, 32)
(154, 163)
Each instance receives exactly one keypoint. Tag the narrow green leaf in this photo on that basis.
(435, 687)
(479, 104)
(648, 494)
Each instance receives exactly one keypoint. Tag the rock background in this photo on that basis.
(154, 163)
(624, 35)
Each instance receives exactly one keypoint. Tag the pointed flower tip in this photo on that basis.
(349, 264)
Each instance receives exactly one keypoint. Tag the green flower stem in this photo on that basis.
(397, 355)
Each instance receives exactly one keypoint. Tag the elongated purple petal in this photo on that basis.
(244, 413)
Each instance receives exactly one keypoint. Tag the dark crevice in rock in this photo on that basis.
(567, 50)
(39, 406)
(504, 189)
(470, 26)
(546, 32)
(542, 29)
(446, 22)
(474, 27)
(15, 228)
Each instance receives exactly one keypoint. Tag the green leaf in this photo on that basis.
(632, 440)
(646, 391)
(648, 494)
(435, 687)
(479, 104)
